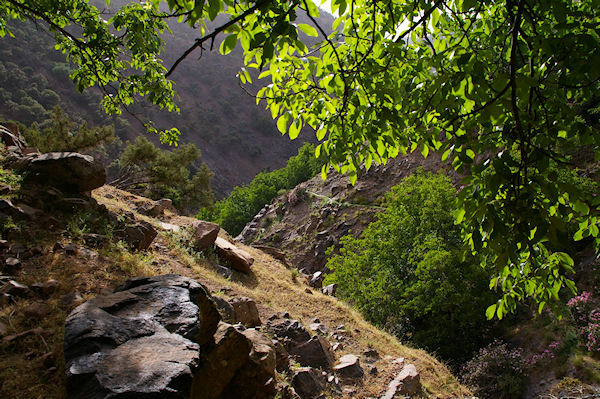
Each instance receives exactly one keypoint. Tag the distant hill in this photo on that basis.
(237, 138)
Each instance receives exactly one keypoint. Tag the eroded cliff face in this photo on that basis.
(312, 217)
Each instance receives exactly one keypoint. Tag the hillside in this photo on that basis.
(237, 138)
(67, 250)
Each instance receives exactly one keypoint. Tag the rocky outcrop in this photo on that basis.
(138, 234)
(143, 340)
(161, 337)
(239, 259)
(67, 171)
(407, 382)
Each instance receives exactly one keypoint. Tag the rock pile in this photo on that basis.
(162, 337)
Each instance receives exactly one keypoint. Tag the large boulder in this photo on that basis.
(237, 257)
(67, 171)
(316, 352)
(204, 234)
(141, 341)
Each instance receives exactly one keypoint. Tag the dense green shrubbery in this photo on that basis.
(244, 202)
(405, 272)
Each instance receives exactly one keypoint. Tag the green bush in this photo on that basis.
(244, 202)
(405, 273)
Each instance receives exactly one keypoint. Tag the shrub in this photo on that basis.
(496, 372)
(234, 212)
(405, 272)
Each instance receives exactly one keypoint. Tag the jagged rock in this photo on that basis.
(255, 378)
(293, 330)
(318, 327)
(159, 207)
(11, 265)
(316, 280)
(306, 383)
(231, 350)
(95, 240)
(348, 368)
(204, 234)
(141, 341)
(9, 209)
(316, 352)
(282, 356)
(407, 382)
(245, 312)
(67, 171)
(238, 258)
(139, 235)
(308, 291)
(329, 289)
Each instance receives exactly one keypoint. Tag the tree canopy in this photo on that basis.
(505, 90)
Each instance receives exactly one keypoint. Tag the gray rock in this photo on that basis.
(316, 281)
(293, 330)
(142, 341)
(11, 266)
(15, 289)
(67, 171)
(223, 271)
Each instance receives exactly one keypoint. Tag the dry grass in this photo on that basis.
(23, 374)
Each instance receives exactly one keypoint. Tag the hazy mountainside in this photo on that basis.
(237, 138)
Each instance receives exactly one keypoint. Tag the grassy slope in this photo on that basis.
(24, 376)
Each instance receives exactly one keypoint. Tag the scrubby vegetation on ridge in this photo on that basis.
(235, 211)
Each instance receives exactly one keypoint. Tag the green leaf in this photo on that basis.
(490, 311)
(283, 121)
(308, 30)
(228, 44)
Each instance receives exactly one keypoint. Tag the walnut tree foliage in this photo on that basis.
(504, 90)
